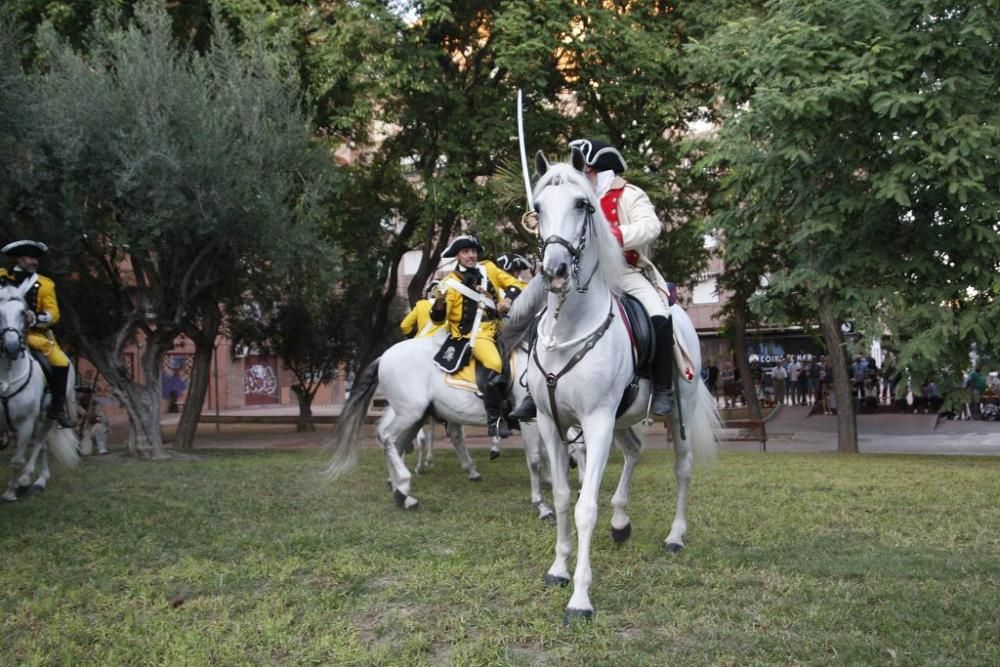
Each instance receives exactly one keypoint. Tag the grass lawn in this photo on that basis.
(250, 558)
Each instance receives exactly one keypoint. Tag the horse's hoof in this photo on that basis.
(620, 535)
(23, 490)
(476, 478)
(673, 547)
(399, 497)
(549, 518)
(494, 454)
(573, 614)
(37, 489)
(8, 498)
(553, 580)
(411, 503)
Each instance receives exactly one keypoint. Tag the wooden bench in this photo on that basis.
(750, 429)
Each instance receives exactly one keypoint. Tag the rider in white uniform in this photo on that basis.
(634, 223)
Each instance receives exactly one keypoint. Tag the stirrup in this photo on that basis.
(61, 419)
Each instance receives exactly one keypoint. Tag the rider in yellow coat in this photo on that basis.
(493, 289)
(43, 313)
(417, 323)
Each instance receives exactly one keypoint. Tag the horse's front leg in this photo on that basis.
(682, 471)
(457, 435)
(37, 450)
(598, 429)
(495, 448)
(558, 573)
(631, 445)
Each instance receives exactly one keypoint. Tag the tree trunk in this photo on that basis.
(201, 369)
(847, 423)
(142, 403)
(305, 398)
(739, 321)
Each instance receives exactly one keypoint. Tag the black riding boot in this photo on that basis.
(496, 393)
(663, 366)
(526, 411)
(60, 376)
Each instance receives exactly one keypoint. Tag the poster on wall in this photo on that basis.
(260, 380)
(770, 351)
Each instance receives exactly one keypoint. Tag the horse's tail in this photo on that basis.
(64, 446)
(704, 423)
(347, 440)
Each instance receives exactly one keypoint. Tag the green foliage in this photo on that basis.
(859, 148)
(249, 558)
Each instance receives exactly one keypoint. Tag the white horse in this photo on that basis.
(582, 365)
(416, 389)
(23, 401)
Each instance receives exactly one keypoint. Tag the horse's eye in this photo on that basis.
(581, 204)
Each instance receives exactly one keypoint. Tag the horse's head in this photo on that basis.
(13, 321)
(571, 226)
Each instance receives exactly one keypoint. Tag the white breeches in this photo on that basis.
(96, 435)
(635, 284)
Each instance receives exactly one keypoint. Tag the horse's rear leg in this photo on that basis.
(682, 471)
(399, 430)
(533, 458)
(631, 445)
(457, 435)
(425, 448)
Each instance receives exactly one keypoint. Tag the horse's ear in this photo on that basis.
(541, 164)
(576, 158)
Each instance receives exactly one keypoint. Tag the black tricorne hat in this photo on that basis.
(600, 155)
(512, 262)
(461, 243)
(25, 248)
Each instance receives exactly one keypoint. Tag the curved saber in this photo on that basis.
(524, 154)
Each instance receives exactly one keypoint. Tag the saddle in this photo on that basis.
(46, 367)
(462, 370)
(640, 331)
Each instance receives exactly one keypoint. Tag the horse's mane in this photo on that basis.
(10, 293)
(611, 261)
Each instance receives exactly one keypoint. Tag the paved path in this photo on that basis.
(790, 429)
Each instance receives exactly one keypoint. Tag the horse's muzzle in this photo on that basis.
(12, 346)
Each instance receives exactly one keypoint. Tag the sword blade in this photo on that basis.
(524, 153)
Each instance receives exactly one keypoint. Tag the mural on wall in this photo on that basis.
(260, 380)
(176, 376)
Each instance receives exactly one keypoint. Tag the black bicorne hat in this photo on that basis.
(461, 243)
(25, 248)
(512, 262)
(600, 155)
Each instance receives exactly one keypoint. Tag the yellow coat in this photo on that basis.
(42, 300)
(460, 311)
(416, 321)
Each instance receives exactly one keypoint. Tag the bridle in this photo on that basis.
(575, 250)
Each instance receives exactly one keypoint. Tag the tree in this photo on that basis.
(161, 173)
(867, 133)
(303, 323)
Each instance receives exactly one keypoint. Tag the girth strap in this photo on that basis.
(552, 379)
